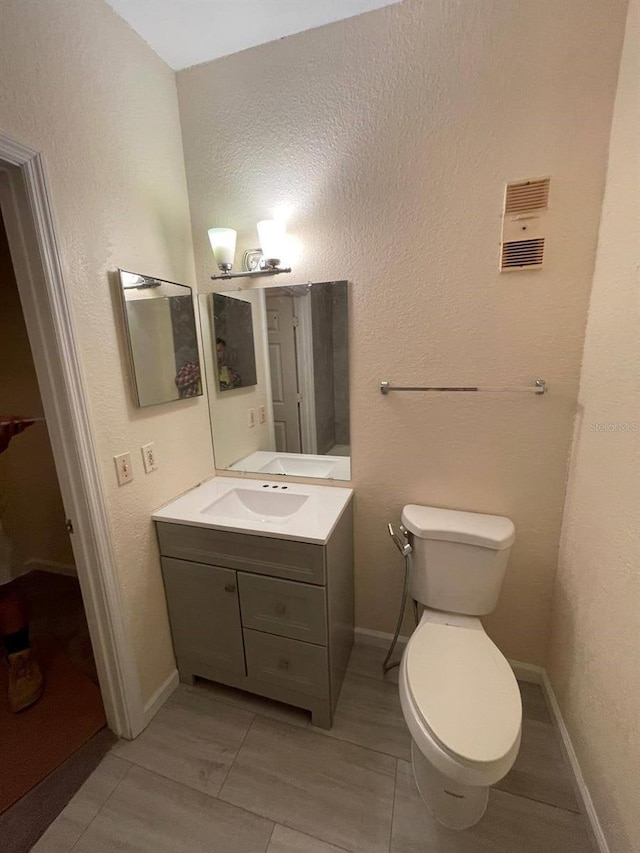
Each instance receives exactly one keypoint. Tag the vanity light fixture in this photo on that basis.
(223, 246)
(256, 262)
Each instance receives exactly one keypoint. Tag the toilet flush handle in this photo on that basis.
(404, 547)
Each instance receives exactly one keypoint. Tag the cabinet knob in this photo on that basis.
(283, 663)
(229, 587)
(280, 608)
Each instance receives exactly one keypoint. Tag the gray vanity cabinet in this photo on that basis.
(266, 615)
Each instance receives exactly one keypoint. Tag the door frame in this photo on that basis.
(306, 382)
(50, 326)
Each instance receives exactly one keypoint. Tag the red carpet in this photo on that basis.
(38, 739)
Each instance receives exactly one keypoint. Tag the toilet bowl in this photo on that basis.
(459, 696)
(462, 706)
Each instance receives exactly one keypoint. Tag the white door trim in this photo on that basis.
(49, 321)
(306, 382)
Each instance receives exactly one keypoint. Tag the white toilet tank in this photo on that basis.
(458, 559)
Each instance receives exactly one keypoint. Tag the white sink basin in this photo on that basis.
(298, 467)
(295, 465)
(249, 504)
(295, 511)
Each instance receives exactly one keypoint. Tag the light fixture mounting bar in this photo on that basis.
(250, 274)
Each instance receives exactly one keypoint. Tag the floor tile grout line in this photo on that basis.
(354, 743)
(228, 703)
(537, 800)
(99, 811)
(270, 839)
(314, 837)
(216, 797)
(161, 775)
(323, 733)
(540, 802)
(235, 757)
(380, 678)
(393, 805)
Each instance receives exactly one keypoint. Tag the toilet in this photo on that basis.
(459, 696)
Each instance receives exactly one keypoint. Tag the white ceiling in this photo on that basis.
(188, 32)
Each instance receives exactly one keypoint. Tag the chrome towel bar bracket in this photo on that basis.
(539, 387)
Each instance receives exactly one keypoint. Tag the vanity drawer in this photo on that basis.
(260, 554)
(290, 609)
(288, 663)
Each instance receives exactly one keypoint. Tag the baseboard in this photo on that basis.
(153, 705)
(582, 790)
(34, 564)
(379, 638)
(533, 674)
(527, 672)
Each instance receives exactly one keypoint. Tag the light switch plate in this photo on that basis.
(262, 416)
(124, 469)
(251, 417)
(149, 457)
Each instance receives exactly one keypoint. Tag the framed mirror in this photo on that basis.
(161, 333)
(294, 419)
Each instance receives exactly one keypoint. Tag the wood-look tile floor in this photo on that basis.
(224, 772)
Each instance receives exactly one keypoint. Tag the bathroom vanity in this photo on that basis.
(259, 585)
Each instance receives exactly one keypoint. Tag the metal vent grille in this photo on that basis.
(522, 253)
(527, 195)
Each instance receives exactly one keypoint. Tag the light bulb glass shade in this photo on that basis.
(271, 233)
(223, 245)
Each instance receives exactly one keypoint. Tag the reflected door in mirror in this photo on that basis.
(281, 323)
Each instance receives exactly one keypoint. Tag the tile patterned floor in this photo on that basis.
(223, 772)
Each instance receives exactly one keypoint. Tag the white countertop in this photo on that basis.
(313, 522)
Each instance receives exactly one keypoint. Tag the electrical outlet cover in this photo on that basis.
(149, 457)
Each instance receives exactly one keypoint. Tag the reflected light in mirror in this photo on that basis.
(223, 245)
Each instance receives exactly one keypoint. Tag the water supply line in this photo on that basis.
(405, 549)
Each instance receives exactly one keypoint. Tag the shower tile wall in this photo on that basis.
(330, 364)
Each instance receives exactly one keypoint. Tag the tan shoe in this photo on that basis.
(25, 680)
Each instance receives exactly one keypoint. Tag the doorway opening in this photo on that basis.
(50, 702)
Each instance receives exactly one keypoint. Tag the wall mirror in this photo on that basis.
(294, 419)
(161, 332)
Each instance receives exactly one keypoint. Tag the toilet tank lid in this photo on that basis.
(452, 525)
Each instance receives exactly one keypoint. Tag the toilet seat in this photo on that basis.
(464, 692)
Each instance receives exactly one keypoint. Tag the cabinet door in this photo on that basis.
(205, 615)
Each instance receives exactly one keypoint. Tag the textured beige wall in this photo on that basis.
(78, 85)
(391, 135)
(31, 510)
(595, 651)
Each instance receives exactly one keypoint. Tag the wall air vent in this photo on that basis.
(522, 253)
(527, 195)
(524, 224)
